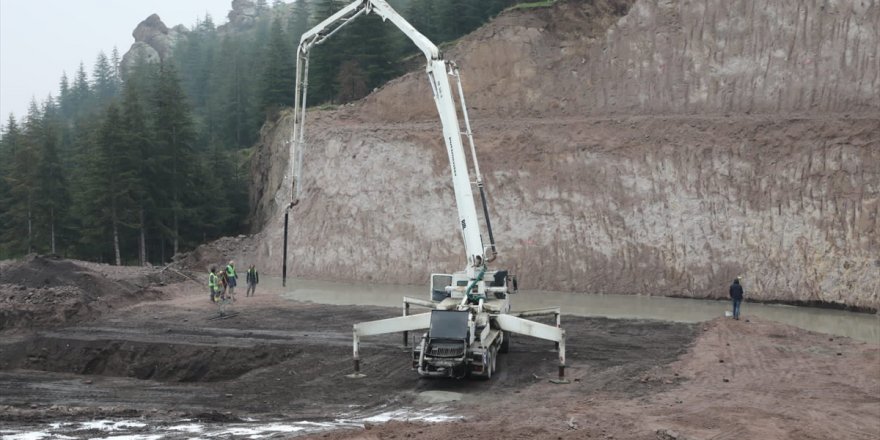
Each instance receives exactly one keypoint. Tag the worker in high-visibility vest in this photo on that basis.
(213, 284)
(252, 278)
(231, 278)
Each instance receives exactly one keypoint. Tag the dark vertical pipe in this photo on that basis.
(284, 264)
(405, 333)
(486, 215)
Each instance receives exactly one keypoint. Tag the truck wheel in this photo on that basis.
(490, 364)
(494, 361)
(505, 344)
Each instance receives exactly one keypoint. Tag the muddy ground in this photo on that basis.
(164, 358)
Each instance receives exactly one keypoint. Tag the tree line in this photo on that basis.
(111, 171)
(133, 167)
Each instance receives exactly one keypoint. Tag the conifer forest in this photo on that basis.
(133, 165)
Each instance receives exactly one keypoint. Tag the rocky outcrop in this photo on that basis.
(647, 147)
(153, 42)
(243, 15)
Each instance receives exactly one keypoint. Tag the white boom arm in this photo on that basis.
(438, 71)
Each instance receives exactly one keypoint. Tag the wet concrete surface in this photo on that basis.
(861, 326)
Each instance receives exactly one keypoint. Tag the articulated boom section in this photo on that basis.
(470, 321)
(438, 72)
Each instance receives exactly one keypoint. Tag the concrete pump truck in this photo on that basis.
(470, 321)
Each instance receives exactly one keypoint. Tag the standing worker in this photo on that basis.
(232, 278)
(736, 294)
(223, 285)
(213, 284)
(253, 277)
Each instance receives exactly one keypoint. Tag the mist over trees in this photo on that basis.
(133, 167)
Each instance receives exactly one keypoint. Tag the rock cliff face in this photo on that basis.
(153, 41)
(647, 147)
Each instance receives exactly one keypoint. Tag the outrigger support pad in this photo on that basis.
(357, 371)
(562, 379)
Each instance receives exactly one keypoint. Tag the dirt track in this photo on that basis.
(162, 361)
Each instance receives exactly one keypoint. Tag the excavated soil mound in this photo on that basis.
(43, 290)
(217, 254)
(162, 361)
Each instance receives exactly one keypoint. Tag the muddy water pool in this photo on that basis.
(861, 326)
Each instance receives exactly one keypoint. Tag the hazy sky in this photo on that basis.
(41, 38)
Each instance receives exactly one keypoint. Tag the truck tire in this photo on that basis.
(490, 367)
(505, 344)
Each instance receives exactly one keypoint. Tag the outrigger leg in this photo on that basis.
(383, 326)
(534, 329)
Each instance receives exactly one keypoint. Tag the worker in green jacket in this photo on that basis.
(213, 284)
(253, 277)
(231, 278)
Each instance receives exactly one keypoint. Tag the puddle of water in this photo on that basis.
(408, 415)
(35, 435)
(434, 397)
(129, 437)
(251, 429)
(861, 326)
(100, 425)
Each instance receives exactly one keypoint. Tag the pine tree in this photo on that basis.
(64, 95)
(195, 58)
(175, 165)
(278, 76)
(85, 173)
(422, 15)
(22, 180)
(325, 58)
(80, 93)
(104, 80)
(298, 22)
(108, 193)
(51, 195)
(115, 62)
(139, 141)
(231, 108)
(351, 82)
(369, 49)
(10, 231)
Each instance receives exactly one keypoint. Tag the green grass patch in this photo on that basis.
(532, 5)
(326, 107)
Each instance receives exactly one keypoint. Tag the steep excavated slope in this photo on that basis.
(662, 57)
(650, 147)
